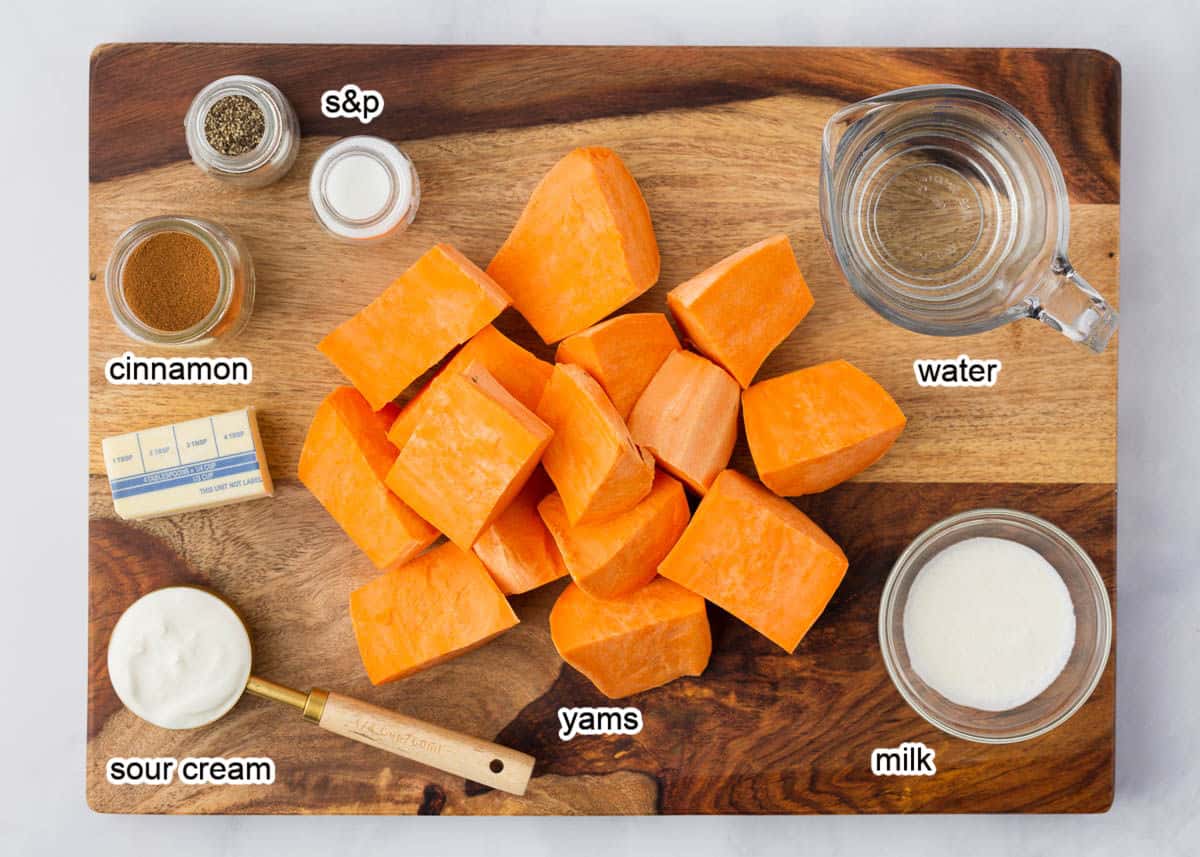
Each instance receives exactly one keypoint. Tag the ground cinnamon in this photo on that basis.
(171, 281)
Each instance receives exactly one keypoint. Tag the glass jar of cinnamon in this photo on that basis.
(177, 281)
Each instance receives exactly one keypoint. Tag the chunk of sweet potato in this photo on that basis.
(741, 308)
(595, 465)
(622, 353)
(438, 303)
(687, 417)
(759, 557)
(470, 453)
(441, 604)
(582, 248)
(344, 461)
(813, 428)
(618, 556)
(633, 643)
(517, 548)
(517, 370)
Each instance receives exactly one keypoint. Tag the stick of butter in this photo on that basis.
(187, 466)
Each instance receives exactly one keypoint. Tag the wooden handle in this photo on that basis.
(481, 761)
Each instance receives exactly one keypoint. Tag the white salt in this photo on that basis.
(358, 187)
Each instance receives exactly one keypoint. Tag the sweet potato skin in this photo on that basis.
(619, 556)
(343, 463)
(758, 557)
(438, 303)
(622, 354)
(637, 642)
(688, 418)
(440, 605)
(739, 310)
(817, 427)
(583, 246)
(595, 465)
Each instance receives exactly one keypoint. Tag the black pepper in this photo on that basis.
(234, 125)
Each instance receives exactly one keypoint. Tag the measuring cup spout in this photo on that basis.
(1066, 302)
(847, 118)
(842, 122)
(842, 130)
(836, 128)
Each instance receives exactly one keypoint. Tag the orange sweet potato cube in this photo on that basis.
(517, 370)
(687, 417)
(582, 248)
(632, 643)
(595, 465)
(468, 456)
(759, 557)
(741, 308)
(344, 461)
(441, 604)
(618, 556)
(438, 303)
(622, 353)
(517, 549)
(815, 427)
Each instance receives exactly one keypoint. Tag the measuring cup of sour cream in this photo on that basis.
(995, 626)
(180, 658)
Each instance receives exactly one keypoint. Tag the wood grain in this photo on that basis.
(725, 144)
(760, 731)
(479, 761)
(697, 170)
(435, 91)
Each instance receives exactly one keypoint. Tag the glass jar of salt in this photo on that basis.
(363, 189)
(242, 130)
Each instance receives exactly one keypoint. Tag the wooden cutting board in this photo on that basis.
(725, 144)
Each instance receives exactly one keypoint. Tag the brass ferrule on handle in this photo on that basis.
(314, 705)
(311, 704)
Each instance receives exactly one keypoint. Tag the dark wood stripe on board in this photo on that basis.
(760, 732)
(766, 732)
(1073, 96)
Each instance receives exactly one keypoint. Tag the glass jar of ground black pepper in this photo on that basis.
(180, 282)
(242, 130)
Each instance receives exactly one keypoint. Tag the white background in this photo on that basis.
(43, 185)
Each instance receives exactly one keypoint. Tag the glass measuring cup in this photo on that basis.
(948, 214)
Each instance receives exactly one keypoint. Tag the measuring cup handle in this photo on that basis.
(1068, 303)
(481, 761)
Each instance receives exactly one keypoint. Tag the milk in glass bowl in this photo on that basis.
(995, 626)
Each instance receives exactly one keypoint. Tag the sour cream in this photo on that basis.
(179, 657)
(989, 624)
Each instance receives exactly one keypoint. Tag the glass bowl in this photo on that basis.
(1093, 628)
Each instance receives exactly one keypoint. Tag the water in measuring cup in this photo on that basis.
(945, 214)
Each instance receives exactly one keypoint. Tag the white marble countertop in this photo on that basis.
(45, 60)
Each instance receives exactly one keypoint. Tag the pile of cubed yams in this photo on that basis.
(534, 471)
